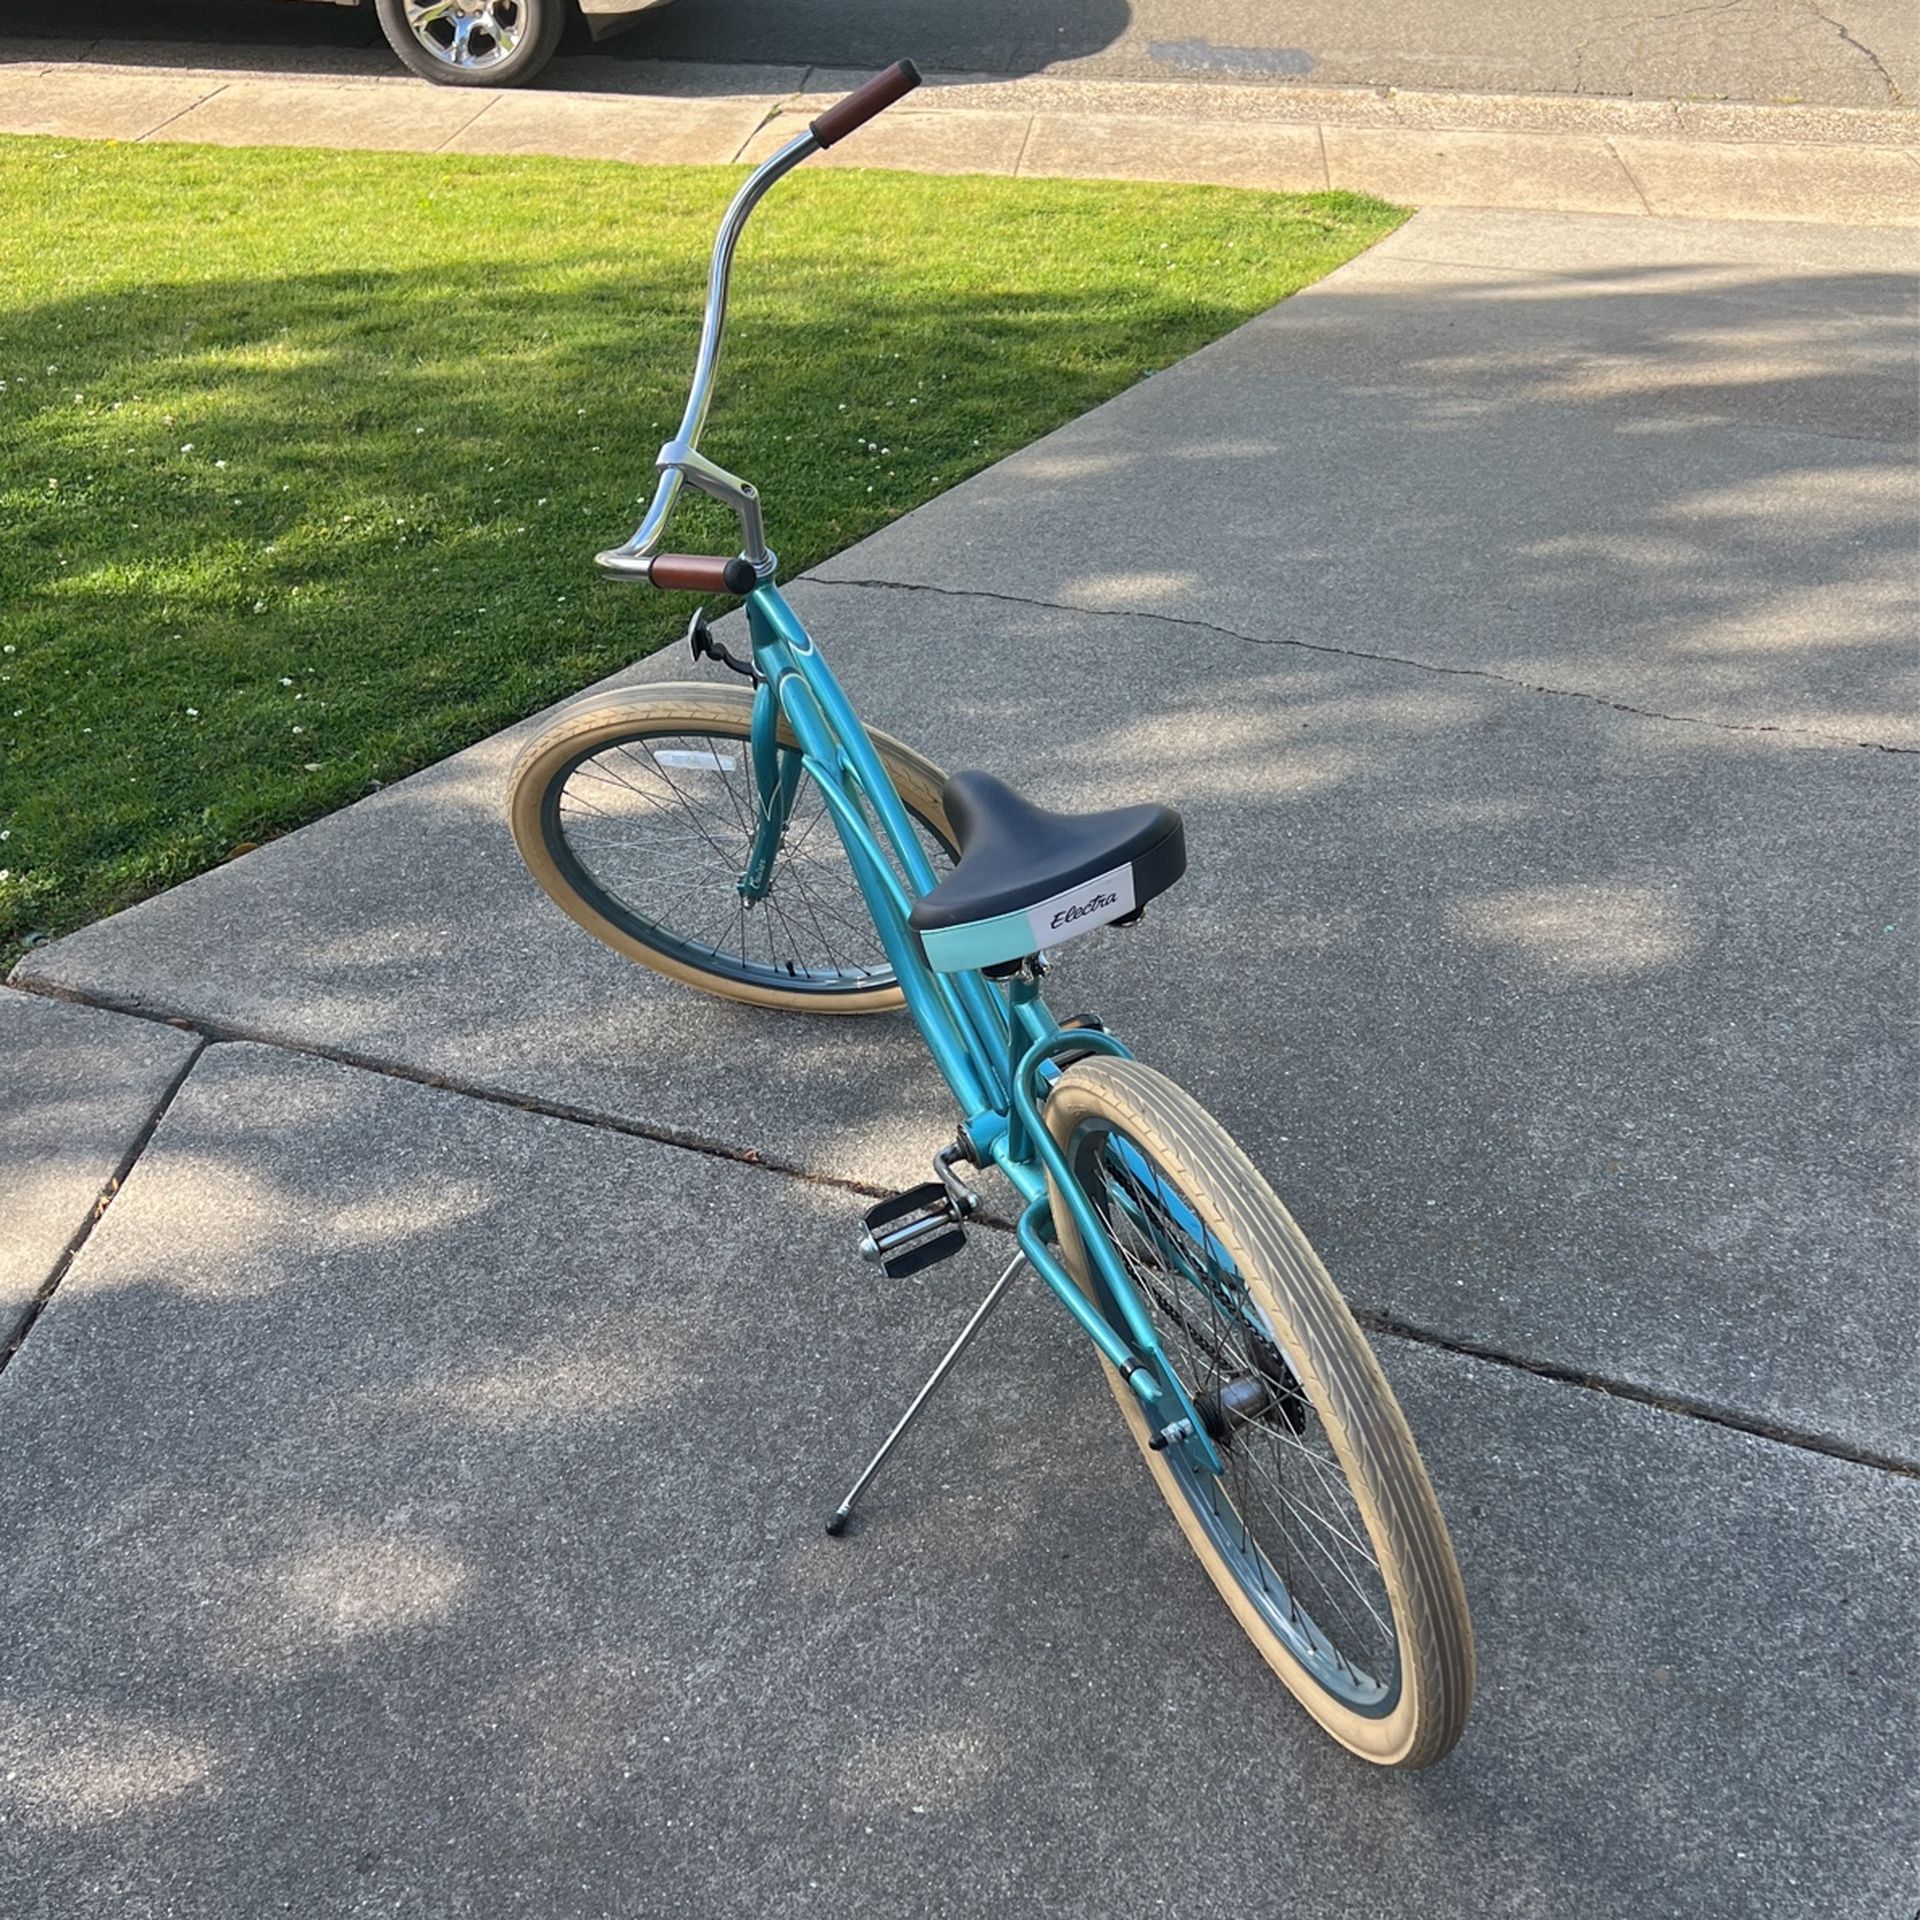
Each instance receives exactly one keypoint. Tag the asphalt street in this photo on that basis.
(1861, 53)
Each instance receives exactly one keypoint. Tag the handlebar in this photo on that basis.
(702, 573)
(680, 460)
(870, 97)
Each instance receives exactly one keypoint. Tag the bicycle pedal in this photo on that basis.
(907, 1234)
(922, 1254)
(928, 1196)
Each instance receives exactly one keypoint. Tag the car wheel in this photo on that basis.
(474, 43)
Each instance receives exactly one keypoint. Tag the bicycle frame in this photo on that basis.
(994, 1050)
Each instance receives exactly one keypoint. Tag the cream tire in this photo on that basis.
(1343, 1385)
(600, 720)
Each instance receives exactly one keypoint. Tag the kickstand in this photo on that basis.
(838, 1522)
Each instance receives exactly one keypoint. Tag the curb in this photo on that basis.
(1687, 159)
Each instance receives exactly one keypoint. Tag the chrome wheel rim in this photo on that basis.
(1282, 1517)
(469, 35)
(655, 830)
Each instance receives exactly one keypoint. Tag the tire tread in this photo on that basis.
(1430, 1607)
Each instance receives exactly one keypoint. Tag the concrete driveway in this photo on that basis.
(419, 1466)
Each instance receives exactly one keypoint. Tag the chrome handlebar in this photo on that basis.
(681, 461)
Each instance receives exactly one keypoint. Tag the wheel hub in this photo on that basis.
(1232, 1401)
(1247, 1397)
(469, 34)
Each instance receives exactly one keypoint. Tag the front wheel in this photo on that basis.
(636, 808)
(1323, 1534)
(473, 43)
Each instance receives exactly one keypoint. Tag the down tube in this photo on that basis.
(775, 625)
(934, 1010)
(928, 996)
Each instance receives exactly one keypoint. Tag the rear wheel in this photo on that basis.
(635, 809)
(1322, 1534)
(474, 43)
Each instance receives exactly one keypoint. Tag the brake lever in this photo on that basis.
(705, 647)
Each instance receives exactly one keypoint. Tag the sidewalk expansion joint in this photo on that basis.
(1682, 1406)
(221, 1032)
(97, 1212)
(215, 1033)
(1357, 653)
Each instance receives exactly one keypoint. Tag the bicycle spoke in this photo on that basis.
(669, 847)
(1282, 1507)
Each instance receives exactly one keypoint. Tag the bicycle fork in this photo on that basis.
(777, 772)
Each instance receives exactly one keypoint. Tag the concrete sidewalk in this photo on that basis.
(418, 1485)
(416, 1508)
(1703, 160)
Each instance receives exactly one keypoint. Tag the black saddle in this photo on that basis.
(1027, 878)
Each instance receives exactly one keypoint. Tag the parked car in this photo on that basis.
(491, 43)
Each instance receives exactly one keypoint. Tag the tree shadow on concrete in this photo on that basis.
(1570, 1027)
(417, 1502)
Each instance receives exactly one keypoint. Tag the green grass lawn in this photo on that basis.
(304, 456)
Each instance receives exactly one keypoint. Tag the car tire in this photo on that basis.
(461, 44)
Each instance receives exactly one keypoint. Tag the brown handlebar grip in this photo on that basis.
(870, 97)
(701, 573)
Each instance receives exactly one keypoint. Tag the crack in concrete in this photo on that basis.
(1620, 160)
(776, 109)
(1683, 13)
(181, 113)
(1860, 47)
(215, 1033)
(105, 1198)
(1360, 653)
(478, 114)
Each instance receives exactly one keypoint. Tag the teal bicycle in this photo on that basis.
(757, 841)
